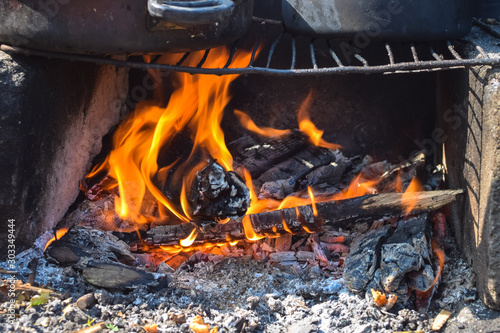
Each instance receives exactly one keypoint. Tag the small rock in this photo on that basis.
(164, 268)
(363, 329)
(103, 297)
(306, 327)
(44, 322)
(178, 318)
(75, 314)
(252, 302)
(55, 306)
(274, 305)
(470, 295)
(33, 317)
(332, 286)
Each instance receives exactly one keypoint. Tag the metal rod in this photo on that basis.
(363, 60)
(234, 47)
(257, 44)
(414, 52)
(479, 48)
(433, 65)
(184, 57)
(452, 50)
(333, 54)
(271, 51)
(313, 56)
(485, 27)
(434, 54)
(294, 53)
(155, 59)
(202, 61)
(389, 53)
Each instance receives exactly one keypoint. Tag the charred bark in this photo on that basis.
(340, 213)
(217, 194)
(262, 157)
(283, 179)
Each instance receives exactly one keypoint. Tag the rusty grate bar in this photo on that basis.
(422, 57)
(389, 53)
(294, 53)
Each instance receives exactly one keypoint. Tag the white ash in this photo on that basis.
(236, 294)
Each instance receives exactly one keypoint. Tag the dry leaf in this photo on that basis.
(93, 329)
(40, 299)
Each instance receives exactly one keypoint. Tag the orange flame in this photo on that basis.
(248, 123)
(196, 105)
(250, 234)
(439, 253)
(189, 240)
(408, 199)
(313, 202)
(307, 126)
(59, 233)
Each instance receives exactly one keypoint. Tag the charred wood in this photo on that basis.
(218, 194)
(283, 179)
(257, 159)
(298, 220)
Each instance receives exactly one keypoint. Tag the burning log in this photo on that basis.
(282, 179)
(260, 158)
(218, 194)
(302, 219)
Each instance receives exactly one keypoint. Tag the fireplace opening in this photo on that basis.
(393, 117)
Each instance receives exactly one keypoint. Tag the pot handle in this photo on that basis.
(191, 12)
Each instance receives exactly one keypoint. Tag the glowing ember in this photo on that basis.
(59, 233)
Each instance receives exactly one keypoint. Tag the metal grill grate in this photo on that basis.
(337, 57)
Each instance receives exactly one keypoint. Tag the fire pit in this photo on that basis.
(180, 231)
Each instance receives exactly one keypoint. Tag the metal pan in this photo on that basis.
(123, 26)
(376, 19)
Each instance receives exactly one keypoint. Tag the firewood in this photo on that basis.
(260, 158)
(216, 193)
(340, 213)
(28, 289)
(282, 179)
(116, 276)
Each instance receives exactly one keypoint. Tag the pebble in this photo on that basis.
(252, 302)
(274, 305)
(44, 322)
(302, 328)
(367, 328)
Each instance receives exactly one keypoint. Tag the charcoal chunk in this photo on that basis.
(362, 262)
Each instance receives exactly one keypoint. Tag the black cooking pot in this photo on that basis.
(373, 19)
(123, 26)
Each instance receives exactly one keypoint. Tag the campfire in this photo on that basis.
(207, 212)
(177, 194)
